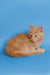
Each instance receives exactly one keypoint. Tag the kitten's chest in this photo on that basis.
(37, 44)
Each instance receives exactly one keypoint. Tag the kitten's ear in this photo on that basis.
(30, 27)
(40, 29)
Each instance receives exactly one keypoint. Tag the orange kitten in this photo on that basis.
(26, 44)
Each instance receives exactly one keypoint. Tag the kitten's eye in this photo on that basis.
(35, 35)
(31, 35)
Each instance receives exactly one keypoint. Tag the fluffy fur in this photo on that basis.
(26, 44)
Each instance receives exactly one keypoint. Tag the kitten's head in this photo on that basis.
(36, 33)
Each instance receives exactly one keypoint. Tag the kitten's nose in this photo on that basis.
(32, 39)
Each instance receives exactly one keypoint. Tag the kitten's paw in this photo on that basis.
(43, 50)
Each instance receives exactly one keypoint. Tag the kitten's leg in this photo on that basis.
(38, 51)
(33, 51)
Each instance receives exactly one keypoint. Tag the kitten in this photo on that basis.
(26, 44)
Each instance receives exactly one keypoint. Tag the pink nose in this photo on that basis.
(32, 39)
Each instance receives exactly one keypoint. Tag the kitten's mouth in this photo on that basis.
(34, 40)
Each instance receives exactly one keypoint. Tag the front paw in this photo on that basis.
(43, 50)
